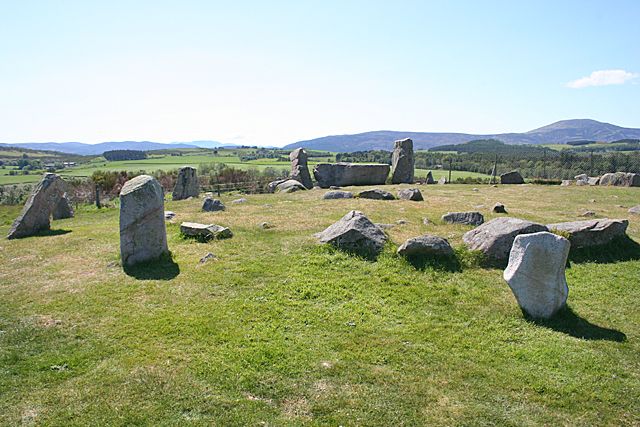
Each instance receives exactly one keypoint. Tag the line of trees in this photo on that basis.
(115, 155)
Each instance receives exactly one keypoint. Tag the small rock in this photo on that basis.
(427, 245)
(265, 225)
(566, 183)
(401, 221)
(412, 194)
(376, 194)
(474, 189)
(442, 180)
(467, 218)
(212, 205)
(337, 194)
(499, 208)
(205, 231)
(169, 215)
(426, 221)
(588, 213)
(241, 200)
(635, 210)
(207, 257)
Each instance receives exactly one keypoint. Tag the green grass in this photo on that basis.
(281, 331)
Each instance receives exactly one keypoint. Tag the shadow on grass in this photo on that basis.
(44, 233)
(620, 249)
(164, 268)
(570, 323)
(439, 263)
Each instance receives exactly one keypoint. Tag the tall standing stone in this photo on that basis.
(186, 184)
(535, 273)
(63, 208)
(299, 168)
(36, 214)
(402, 162)
(143, 236)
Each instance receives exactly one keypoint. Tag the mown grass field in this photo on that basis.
(281, 331)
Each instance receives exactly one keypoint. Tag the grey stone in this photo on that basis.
(299, 168)
(582, 177)
(265, 225)
(169, 215)
(271, 187)
(426, 221)
(427, 245)
(635, 210)
(430, 179)
(467, 218)
(622, 179)
(241, 200)
(212, 205)
(593, 180)
(442, 180)
(402, 162)
(36, 213)
(63, 208)
(592, 232)
(355, 232)
(581, 183)
(494, 238)
(143, 236)
(289, 186)
(186, 184)
(512, 177)
(338, 194)
(566, 182)
(499, 208)
(345, 174)
(208, 257)
(412, 194)
(376, 194)
(536, 273)
(205, 231)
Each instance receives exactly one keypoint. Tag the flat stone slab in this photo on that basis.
(205, 231)
(427, 245)
(346, 174)
(536, 273)
(376, 194)
(354, 232)
(494, 238)
(592, 232)
(466, 218)
(337, 194)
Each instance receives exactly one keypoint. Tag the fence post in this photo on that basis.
(494, 171)
(98, 196)
(450, 163)
(591, 163)
(218, 189)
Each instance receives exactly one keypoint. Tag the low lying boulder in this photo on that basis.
(499, 208)
(430, 179)
(240, 200)
(412, 194)
(271, 187)
(466, 218)
(512, 177)
(593, 180)
(494, 238)
(376, 194)
(565, 183)
(427, 245)
(212, 205)
(592, 232)
(205, 231)
(635, 210)
(345, 174)
(620, 179)
(289, 186)
(536, 273)
(354, 232)
(338, 194)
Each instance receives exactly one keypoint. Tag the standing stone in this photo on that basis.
(410, 194)
(494, 238)
(356, 233)
(430, 179)
(143, 236)
(512, 177)
(63, 208)
(402, 162)
(37, 211)
(299, 168)
(186, 184)
(535, 273)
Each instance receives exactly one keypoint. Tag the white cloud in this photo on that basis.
(603, 78)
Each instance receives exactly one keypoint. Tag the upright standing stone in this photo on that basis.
(63, 208)
(402, 162)
(37, 211)
(186, 184)
(535, 273)
(143, 236)
(430, 179)
(512, 177)
(299, 168)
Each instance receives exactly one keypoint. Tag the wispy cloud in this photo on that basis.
(603, 78)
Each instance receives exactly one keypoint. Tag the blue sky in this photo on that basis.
(275, 72)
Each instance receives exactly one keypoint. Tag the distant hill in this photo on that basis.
(97, 149)
(557, 133)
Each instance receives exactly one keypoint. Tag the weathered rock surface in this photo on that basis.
(536, 273)
(566, 182)
(36, 213)
(289, 186)
(442, 180)
(338, 194)
(143, 236)
(410, 194)
(430, 179)
(63, 208)
(581, 179)
(299, 168)
(187, 184)
(467, 218)
(345, 174)
(494, 238)
(355, 232)
(402, 162)
(593, 180)
(512, 177)
(205, 231)
(376, 194)
(212, 205)
(499, 208)
(621, 179)
(635, 210)
(427, 245)
(271, 187)
(592, 232)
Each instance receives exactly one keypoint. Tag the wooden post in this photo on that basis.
(98, 196)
